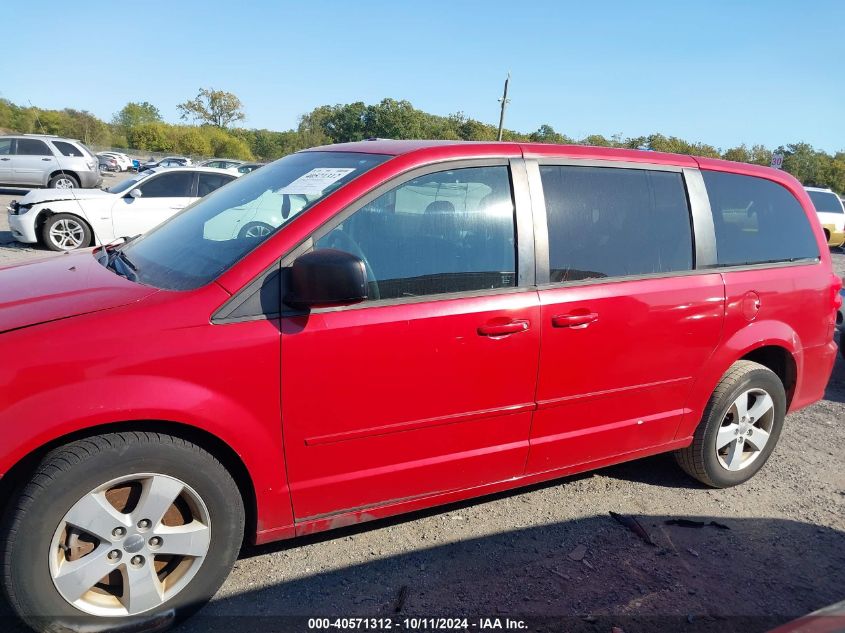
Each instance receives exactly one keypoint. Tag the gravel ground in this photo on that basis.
(552, 554)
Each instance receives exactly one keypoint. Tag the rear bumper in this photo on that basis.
(818, 366)
(836, 236)
(90, 179)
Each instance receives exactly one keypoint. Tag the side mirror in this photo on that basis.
(136, 193)
(326, 277)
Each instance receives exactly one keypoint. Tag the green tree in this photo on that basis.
(213, 107)
(192, 141)
(393, 119)
(134, 114)
(154, 137)
(546, 134)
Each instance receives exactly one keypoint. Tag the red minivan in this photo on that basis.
(361, 330)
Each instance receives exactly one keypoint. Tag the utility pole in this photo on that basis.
(504, 101)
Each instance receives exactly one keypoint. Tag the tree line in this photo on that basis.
(139, 126)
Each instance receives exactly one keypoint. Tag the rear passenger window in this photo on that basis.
(452, 231)
(757, 221)
(32, 147)
(210, 182)
(611, 222)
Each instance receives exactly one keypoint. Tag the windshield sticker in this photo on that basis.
(316, 181)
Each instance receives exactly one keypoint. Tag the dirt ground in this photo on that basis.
(552, 557)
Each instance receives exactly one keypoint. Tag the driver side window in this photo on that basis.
(451, 231)
(172, 185)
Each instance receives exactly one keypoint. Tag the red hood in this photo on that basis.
(60, 287)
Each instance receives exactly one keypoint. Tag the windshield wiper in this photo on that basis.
(118, 259)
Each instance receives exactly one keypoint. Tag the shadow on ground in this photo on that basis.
(750, 577)
(589, 575)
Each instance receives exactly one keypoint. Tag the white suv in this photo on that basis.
(831, 214)
(36, 160)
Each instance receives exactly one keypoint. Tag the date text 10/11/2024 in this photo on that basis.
(417, 624)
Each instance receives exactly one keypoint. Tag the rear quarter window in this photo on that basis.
(757, 221)
(826, 201)
(68, 149)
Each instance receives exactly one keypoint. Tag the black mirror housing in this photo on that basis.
(327, 277)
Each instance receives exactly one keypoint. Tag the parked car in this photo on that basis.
(249, 167)
(64, 221)
(35, 160)
(123, 161)
(221, 163)
(831, 213)
(107, 163)
(170, 161)
(840, 322)
(427, 323)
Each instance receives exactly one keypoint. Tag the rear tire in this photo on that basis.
(63, 181)
(732, 442)
(65, 500)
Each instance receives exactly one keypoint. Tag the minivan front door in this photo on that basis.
(429, 386)
(626, 322)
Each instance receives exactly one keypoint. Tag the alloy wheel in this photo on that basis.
(745, 429)
(64, 182)
(67, 234)
(259, 230)
(130, 545)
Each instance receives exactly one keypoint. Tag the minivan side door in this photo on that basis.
(627, 317)
(33, 159)
(428, 386)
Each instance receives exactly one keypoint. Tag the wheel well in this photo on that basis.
(780, 361)
(66, 172)
(826, 234)
(19, 474)
(47, 213)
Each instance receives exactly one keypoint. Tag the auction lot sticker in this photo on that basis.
(316, 180)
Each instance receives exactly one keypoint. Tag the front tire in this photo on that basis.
(740, 427)
(120, 530)
(65, 232)
(255, 230)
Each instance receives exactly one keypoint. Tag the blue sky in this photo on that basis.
(720, 72)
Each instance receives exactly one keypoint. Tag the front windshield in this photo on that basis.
(129, 183)
(195, 246)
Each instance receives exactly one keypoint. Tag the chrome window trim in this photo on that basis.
(540, 224)
(703, 230)
(381, 303)
(590, 162)
(682, 273)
